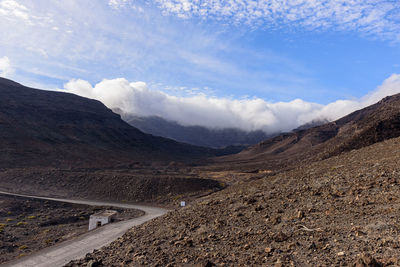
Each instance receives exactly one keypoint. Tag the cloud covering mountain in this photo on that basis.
(212, 112)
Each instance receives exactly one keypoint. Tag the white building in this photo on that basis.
(101, 218)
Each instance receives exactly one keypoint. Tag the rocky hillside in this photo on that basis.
(60, 144)
(196, 135)
(46, 128)
(341, 211)
(364, 127)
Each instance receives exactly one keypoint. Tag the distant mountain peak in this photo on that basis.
(364, 127)
(195, 135)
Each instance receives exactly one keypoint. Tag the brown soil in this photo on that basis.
(28, 225)
(336, 212)
(138, 183)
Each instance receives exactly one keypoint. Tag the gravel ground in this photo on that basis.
(343, 211)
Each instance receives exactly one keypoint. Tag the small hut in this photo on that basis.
(101, 218)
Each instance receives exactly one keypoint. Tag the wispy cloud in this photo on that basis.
(132, 39)
(117, 4)
(12, 9)
(371, 17)
(213, 112)
(52, 42)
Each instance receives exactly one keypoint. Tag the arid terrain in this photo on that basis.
(336, 212)
(324, 196)
(60, 144)
(28, 225)
(320, 196)
(165, 185)
(361, 128)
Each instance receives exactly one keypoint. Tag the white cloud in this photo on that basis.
(19, 16)
(11, 8)
(373, 17)
(248, 114)
(6, 70)
(117, 4)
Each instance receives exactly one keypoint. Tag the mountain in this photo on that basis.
(339, 211)
(361, 128)
(311, 124)
(55, 143)
(195, 135)
(48, 128)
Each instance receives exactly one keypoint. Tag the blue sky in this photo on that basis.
(319, 52)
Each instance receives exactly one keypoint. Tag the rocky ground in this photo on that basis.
(342, 211)
(28, 225)
(138, 182)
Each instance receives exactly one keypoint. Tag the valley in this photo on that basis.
(335, 212)
(200, 133)
(319, 196)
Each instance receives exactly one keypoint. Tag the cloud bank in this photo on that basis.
(6, 69)
(247, 114)
(374, 17)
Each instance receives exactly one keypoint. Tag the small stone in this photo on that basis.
(268, 250)
(326, 247)
(276, 220)
(278, 263)
(300, 214)
(93, 263)
(341, 254)
(291, 245)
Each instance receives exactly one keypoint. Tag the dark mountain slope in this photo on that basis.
(361, 128)
(60, 144)
(46, 128)
(195, 135)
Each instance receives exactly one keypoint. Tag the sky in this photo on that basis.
(270, 65)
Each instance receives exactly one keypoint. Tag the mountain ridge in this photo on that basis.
(39, 127)
(364, 127)
(195, 135)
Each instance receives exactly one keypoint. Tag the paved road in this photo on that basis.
(64, 252)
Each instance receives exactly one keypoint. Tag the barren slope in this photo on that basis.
(361, 128)
(330, 213)
(55, 143)
(45, 128)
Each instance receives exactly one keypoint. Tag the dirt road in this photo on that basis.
(62, 253)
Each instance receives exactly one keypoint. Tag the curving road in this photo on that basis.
(76, 248)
